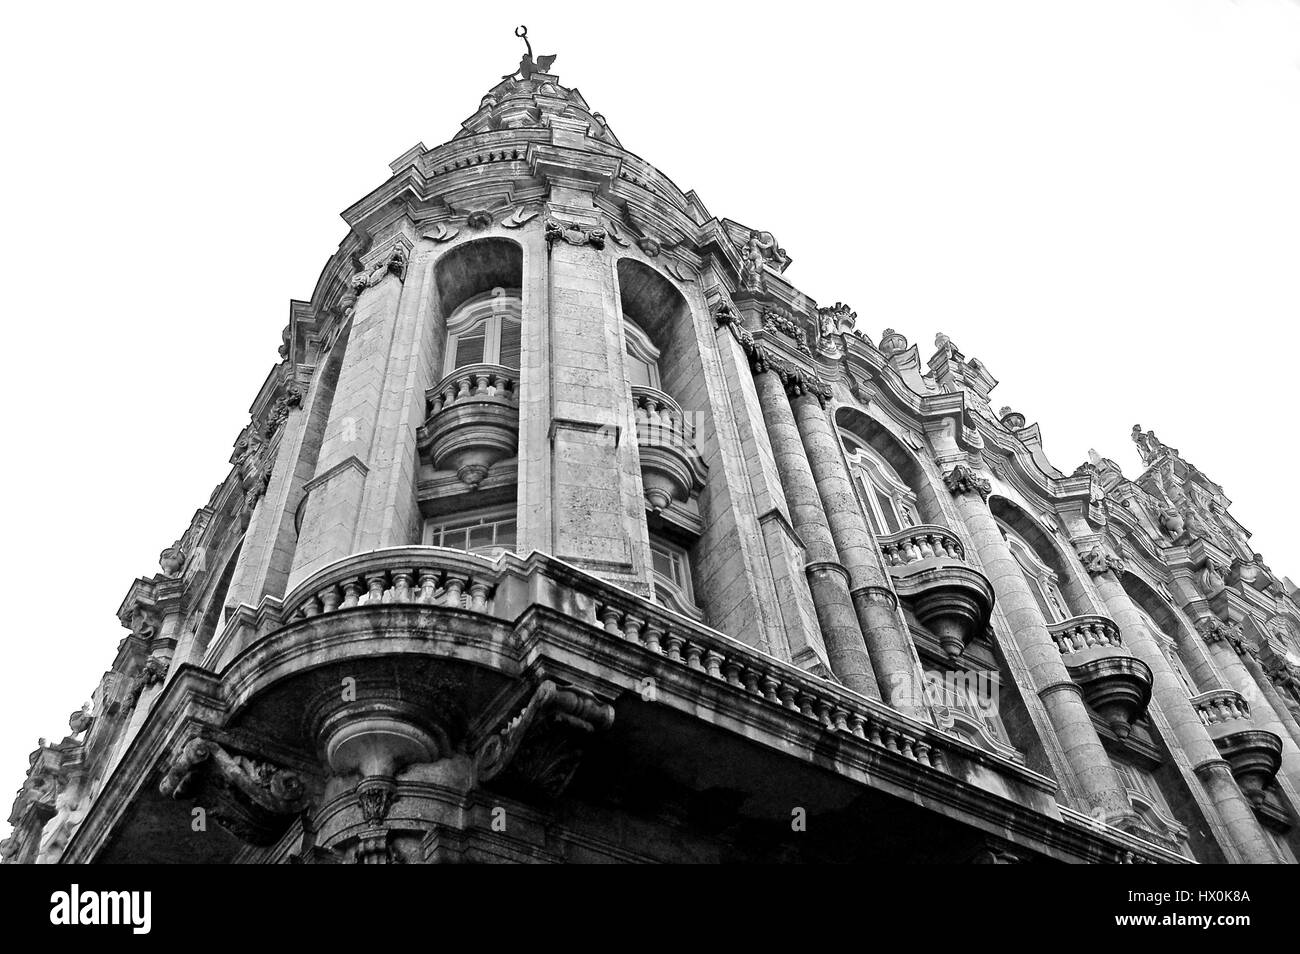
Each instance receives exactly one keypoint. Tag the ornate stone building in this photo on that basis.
(567, 529)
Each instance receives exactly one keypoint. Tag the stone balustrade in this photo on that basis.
(478, 382)
(1221, 705)
(762, 677)
(473, 421)
(671, 467)
(433, 576)
(438, 576)
(1084, 632)
(914, 544)
(654, 407)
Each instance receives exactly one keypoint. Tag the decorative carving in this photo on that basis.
(1098, 560)
(1149, 446)
(81, 720)
(758, 250)
(892, 343)
(440, 232)
(1213, 629)
(1014, 421)
(527, 65)
(838, 319)
(479, 220)
(254, 799)
(775, 321)
(375, 796)
(578, 235)
(519, 218)
(962, 480)
(152, 673)
(395, 264)
(172, 559)
(543, 740)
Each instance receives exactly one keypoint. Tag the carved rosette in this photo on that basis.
(963, 480)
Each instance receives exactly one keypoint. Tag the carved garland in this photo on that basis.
(797, 380)
(962, 480)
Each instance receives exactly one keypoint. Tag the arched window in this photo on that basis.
(485, 330)
(890, 503)
(642, 357)
(1041, 579)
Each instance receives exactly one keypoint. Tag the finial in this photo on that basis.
(527, 65)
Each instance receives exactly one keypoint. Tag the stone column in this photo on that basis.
(1062, 698)
(827, 578)
(1211, 768)
(892, 657)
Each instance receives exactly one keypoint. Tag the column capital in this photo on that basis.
(962, 479)
(1098, 559)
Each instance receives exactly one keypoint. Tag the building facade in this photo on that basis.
(566, 529)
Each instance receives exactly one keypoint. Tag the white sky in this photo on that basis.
(1100, 200)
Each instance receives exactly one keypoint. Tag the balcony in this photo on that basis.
(1115, 684)
(1254, 755)
(947, 594)
(473, 421)
(671, 467)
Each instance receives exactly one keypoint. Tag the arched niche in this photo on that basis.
(476, 268)
(654, 306)
(1015, 518)
(902, 460)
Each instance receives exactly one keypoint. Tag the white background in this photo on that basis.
(1100, 200)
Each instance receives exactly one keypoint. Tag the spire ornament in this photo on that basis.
(527, 65)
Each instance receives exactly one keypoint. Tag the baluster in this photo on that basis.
(927, 546)
(454, 594)
(428, 586)
(311, 607)
(731, 673)
(402, 585)
(713, 664)
(770, 685)
(478, 594)
(610, 617)
(787, 695)
(857, 725)
(653, 632)
(632, 628)
(329, 598)
(351, 593)
(673, 644)
(693, 654)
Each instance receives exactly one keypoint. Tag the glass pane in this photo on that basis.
(506, 533)
(662, 563)
(469, 349)
(887, 510)
(510, 344)
(480, 537)
(638, 372)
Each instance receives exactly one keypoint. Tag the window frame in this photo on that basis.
(467, 520)
(491, 310)
(638, 346)
(675, 595)
(876, 478)
(1042, 579)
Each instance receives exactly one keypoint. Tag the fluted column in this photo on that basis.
(892, 657)
(1211, 768)
(827, 578)
(1061, 697)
